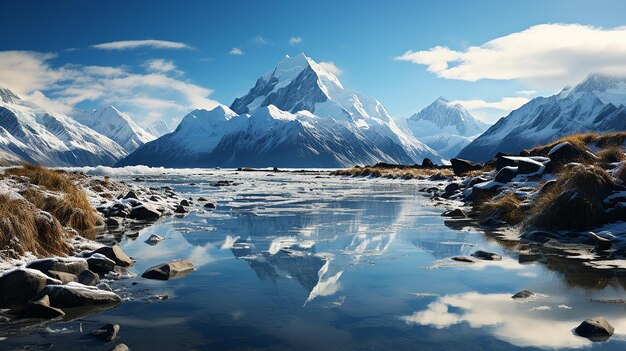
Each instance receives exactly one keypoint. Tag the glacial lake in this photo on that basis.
(292, 261)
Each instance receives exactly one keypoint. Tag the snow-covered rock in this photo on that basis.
(446, 127)
(158, 128)
(116, 125)
(29, 133)
(298, 115)
(594, 105)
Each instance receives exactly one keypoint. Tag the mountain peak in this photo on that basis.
(7, 95)
(444, 117)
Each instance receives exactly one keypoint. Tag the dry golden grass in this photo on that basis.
(620, 175)
(71, 207)
(506, 208)
(23, 228)
(611, 154)
(406, 173)
(606, 140)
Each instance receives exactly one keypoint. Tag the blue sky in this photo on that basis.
(361, 38)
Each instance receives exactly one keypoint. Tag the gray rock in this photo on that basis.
(460, 166)
(566, 152)
(144, 212)
(131, 195)
(524, 294)
(487, 256)
(107, 333)
(527, 165)
(120, 347)
(455, 213)
(209, 205)
(77, 295)
(88, 278)
(179, 209)
(154, 239)
(19, 286)
(115, 254)
(600, 241)
(100, 264)
(113, 222)
(169, 270)
(69, 265)
(506, 174)
(64, 277)
(595, 329)
(41, 309)
(184, 202)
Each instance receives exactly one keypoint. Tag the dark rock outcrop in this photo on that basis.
(595, 329)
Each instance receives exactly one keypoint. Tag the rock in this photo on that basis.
(452, 187)
(427, 163)
(202, 199)
(88, 278)
(154, 198)
(112, 222)
(115, 254)
(69, 265)
(463, 259)
(184, 202)
(209, 205)
(595, 329)
(524, 294)
(120, 347)
(506, 174)
(145, 213)
(169, 270)
(460, 166)
(504, 161)
(107, 333)
(131, 195)
(77, 295)
(100, 264)
(487, 256)
(477, 180)
(20, 285)
(548, 186)
(179, 209)
(455, 213)
(41, 308)
(483, 191)
(567, 152)
(154, 239)
(527, 165)
(64, 277)
(600, 241)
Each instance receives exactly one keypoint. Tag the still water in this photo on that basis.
(293, 261)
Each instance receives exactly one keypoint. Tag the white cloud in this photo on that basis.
(135, 44)
(161, 65)
(553, 55)
(330, 67)
(260, 40)
(295, 41)
(29, 73)
(236, 51)
(490, 111)
(527, 92)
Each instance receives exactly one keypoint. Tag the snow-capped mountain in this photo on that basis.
(297, 115)
(594, 105)
(445, 126)
(29, 133)
(158, 128)
(116, 125)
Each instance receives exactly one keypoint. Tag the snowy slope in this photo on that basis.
(298, 115)
(446, 127)
(28, 133)
(596, 104)
(158, 128)
(116, 125)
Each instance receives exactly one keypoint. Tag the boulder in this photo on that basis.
(202, 199)
(106, 333)
(131, 195)
(463, 259)
(115, 254)
(461, 166)
(506, 174)
(185, 202)
(427, 163)
(505, 161)
(455, 213)
(77, 295)
(524, 294)
(144, 212)
(18, 286)
(72, 265)
(477, 180)
(154, 239)
(113, 222)
(595, 329)
(567, 152)
(602, 241)
(209, 205)
(41, 308)
(88, 278)
(483, 191)
(120, 347)
(180, 209)
(170, 270)
(64, 277)
(487, 256)
(100, 264)
(527, 165)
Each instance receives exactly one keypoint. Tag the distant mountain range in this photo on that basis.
(296, 115)
(445, 126)
(594, 105)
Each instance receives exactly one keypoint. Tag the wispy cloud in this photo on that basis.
(330, 67)
(527, 92)
(161, 65)
(260, 40)
(295, 41)
(236, 51)
(490, 111)
(551, 54)
(136, 44)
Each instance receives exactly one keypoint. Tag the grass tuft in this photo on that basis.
(506, 208)
(611, 154)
